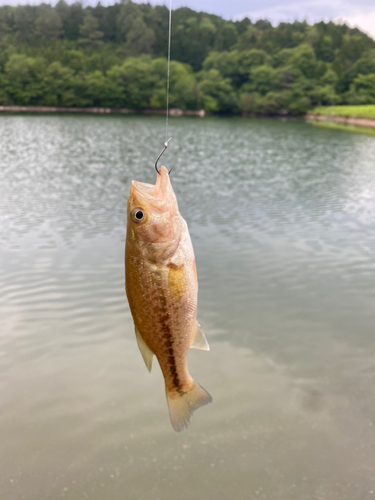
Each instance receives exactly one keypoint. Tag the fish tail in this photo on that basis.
(182, 405)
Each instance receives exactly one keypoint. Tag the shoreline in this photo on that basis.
(358, 122)
(175, 112)
(101, 111)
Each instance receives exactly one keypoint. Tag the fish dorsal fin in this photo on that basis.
(146, 352)
(199, 340)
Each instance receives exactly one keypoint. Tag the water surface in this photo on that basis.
(282, 218)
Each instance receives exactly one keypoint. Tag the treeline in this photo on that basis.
(114, 56)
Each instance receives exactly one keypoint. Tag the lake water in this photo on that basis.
(282, 218)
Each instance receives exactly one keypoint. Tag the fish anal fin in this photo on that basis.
(199, 340)
(182, 406)
(146, 352)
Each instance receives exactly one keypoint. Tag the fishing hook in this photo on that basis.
(161, 154)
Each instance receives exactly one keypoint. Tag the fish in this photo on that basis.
(162, 287)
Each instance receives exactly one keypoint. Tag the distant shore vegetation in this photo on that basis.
(114, 56)
(365, 111)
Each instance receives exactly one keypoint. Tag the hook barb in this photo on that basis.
(161, 154)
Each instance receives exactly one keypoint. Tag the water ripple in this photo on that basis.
(281, 215)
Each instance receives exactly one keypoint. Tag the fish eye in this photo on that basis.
(138, 215)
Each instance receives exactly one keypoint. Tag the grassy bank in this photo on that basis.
(365, 111)
(347, 128)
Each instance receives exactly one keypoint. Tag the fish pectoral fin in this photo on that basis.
(199, 340)
(146, 352)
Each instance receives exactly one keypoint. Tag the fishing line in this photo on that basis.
(168, 71)
(169, 63)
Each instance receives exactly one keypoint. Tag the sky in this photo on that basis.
(359, 13)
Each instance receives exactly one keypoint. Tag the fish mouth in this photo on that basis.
(159, 196)
(143, 190)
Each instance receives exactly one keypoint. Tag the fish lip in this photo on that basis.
(143, 195)
(154, 194)
(143, 189)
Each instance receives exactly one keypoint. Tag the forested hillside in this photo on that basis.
(114, 56)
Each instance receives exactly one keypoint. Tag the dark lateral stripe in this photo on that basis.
(168, 340)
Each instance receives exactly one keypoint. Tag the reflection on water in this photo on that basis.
(282, 217)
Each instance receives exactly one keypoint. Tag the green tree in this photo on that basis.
(75, 60)
(24, 22)
(324, 49)
(248, 102)
(297, 98)
(271, 103)
(364, 66)
(264, 79)
(353, 46)
(225, 62)
(133, 83)
(248, 59)
(63, 88)
(285, 35)
(241, 26)
(59, 82)
(48, 24)
(324, 95)
(299, 105)
(303, 58)
(217, 92)
(90, 34)
(193, 39)
(5, 99)
(72, 17)
(24, 79)
(362, 91)
(329, 78)
(226, 36)
(128, 14)
(139, 39)
(184, 91)
(5, 20)
(62, 9)
(236, 65)
(158, 20)
(100, 90)
(97, 58)
(133, 30)
(248, 39)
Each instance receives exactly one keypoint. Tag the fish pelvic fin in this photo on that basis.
(146, 352)
(183, 405)
(199, 340)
